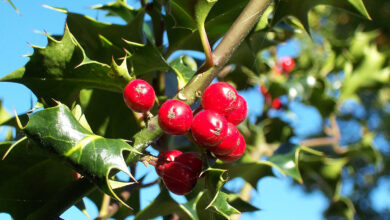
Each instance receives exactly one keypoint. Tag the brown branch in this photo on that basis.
(333, 131)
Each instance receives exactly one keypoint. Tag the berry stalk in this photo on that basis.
(189, 94)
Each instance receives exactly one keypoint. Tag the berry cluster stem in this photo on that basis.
(232, 39)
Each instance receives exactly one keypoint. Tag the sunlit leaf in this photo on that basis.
(61, 69)
(300, 9)
(57, 131)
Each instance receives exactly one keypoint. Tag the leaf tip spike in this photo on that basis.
(55, 101)
(20, 126)
(12, 147)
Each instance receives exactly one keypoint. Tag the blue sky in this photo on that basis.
(276, 197)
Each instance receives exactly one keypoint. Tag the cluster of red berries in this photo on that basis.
(274, 103)
(284, 66)
(214, 128)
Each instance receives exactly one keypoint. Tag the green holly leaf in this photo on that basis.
(61, 69)
(189, 13)
(218, 21)
(164, 205)
(184, 67)
(119, 8)
(287, 159)
(133, 199)
(145, 58)
(27, 186)
(4, 114)
(319, 99)
(213, 202)
(300, 9)
(95, 157)
(248, 52)
(251, 172)
(340, 208)
(118, 122)
(241, 205)
(81, 206)
(371, 73)
(247, 60)
(102, 41)
(277, 131)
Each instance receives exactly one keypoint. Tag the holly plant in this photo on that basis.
(112, 95)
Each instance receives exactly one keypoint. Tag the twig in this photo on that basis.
(103, 213)
(333, 131)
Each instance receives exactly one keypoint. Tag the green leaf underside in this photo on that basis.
(239, 204)
(218, 21)
(212, 201)
(57, 131)
(209, 203)
(113, 122)
(300, 9)
(145, 58)
(189, 13)
(183, 71)
(118, 8)
(4, 114)
(249, 50)
(102, 41)
(22, 192)
(61, 69)
(164, 205)
(370, 73)
(286, 163)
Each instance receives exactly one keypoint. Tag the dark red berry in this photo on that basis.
(179, 171)
(276, 104)
(229, 144)
(192, 160)
(266, 94)
(209, 128)
(220, 97)
(236, 154)
(175, 117)
(288, 64)
(178, 178)
(139, 96)
(263, 90)
(164, 158)
(238, 115)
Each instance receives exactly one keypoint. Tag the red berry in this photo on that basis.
(236, 154)
(178, 170)
(175, 117)
(276, 104)
(209, 128)
(238, 115)
(220, 97)
(192, 160)
(178, 178)
(139, 96)
(229, 144)
(164, 158)
(288, 64)
(263, 90)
